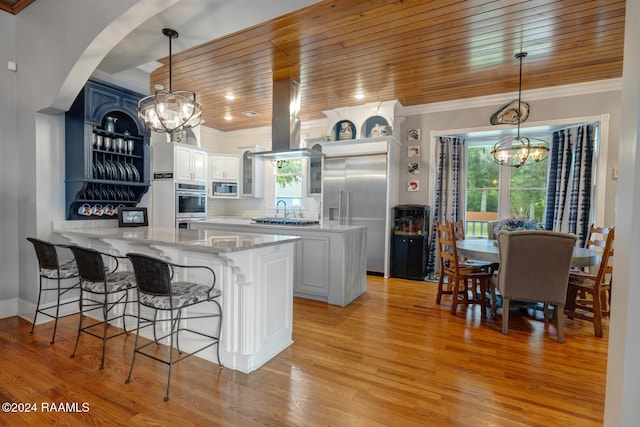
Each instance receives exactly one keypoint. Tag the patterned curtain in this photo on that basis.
(569, 190)
(449, 189)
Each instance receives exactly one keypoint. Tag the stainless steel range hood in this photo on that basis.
(285, 124)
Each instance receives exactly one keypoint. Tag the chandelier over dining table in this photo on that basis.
(521, 150)
(169, 111)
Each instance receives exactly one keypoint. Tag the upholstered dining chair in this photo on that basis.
(160, 290)
(102, 288)
(589, 294)
(51, 269)
(534, 267)
(467, 284)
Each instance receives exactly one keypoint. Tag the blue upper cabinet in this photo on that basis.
(107, 152)
(102, 99)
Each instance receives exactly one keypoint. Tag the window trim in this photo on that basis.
(302, 184)
(602, 146)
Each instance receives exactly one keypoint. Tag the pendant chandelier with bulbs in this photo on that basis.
(169, 111)
(521, 150)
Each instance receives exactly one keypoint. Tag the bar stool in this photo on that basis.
(156, 291)
(103, 289)
(51, 269)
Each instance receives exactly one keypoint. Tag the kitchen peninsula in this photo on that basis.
(254, 271)
(331, 260)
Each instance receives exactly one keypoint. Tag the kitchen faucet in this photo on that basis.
(278, 208)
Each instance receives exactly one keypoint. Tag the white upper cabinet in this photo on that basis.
(224, 167)
(188, 163)
(191, 164)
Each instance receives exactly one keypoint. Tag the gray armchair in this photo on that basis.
(534, 267)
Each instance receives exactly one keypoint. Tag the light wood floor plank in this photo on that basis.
(393, 357)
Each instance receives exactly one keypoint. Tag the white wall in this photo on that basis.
(623, 371)
(57, 47)
(9, 168)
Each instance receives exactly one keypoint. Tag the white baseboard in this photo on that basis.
(28, 309)
(9, 308)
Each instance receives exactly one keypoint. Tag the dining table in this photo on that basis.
(487, 250)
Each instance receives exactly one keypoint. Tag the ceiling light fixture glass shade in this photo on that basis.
(168, 111)
(521, 150)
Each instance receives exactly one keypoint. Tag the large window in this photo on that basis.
(495, 191)
(288, 182)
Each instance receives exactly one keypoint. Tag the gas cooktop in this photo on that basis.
(285, 221)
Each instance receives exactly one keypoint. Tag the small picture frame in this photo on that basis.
(413, 135)
(413, 151)
(132, 217)
(413, 168)
(413, 185)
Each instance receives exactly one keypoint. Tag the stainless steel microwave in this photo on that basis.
(229, 189)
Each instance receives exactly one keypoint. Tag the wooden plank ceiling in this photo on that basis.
(415, 51)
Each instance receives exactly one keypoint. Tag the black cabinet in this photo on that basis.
(409, 256)
(107, 152)
(410, 242)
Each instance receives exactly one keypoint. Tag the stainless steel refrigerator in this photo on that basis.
(354, 192)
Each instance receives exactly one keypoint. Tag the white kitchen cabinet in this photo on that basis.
(188, 163)
(191, 164)
(223, 167)
(314, 267)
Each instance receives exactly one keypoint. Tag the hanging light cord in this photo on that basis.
(171, 70)
(520, 56)
(171, 34)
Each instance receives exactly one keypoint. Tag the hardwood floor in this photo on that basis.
(393, 357)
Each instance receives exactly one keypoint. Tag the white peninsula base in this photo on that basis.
(254, 272)
(331, 260)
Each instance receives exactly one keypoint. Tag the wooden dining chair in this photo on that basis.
(490, 226)
(589, 294)
(458, 229)
(491, 267)
(467, 284)
(459, 233)
(597, 241)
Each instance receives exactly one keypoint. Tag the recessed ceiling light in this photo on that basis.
(228, 117)
(359, 95)
(229, 96)
(250, 113)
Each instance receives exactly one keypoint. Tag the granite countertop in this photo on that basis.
(214, 241)
(286, 229)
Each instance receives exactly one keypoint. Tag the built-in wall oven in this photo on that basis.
(191, 202)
